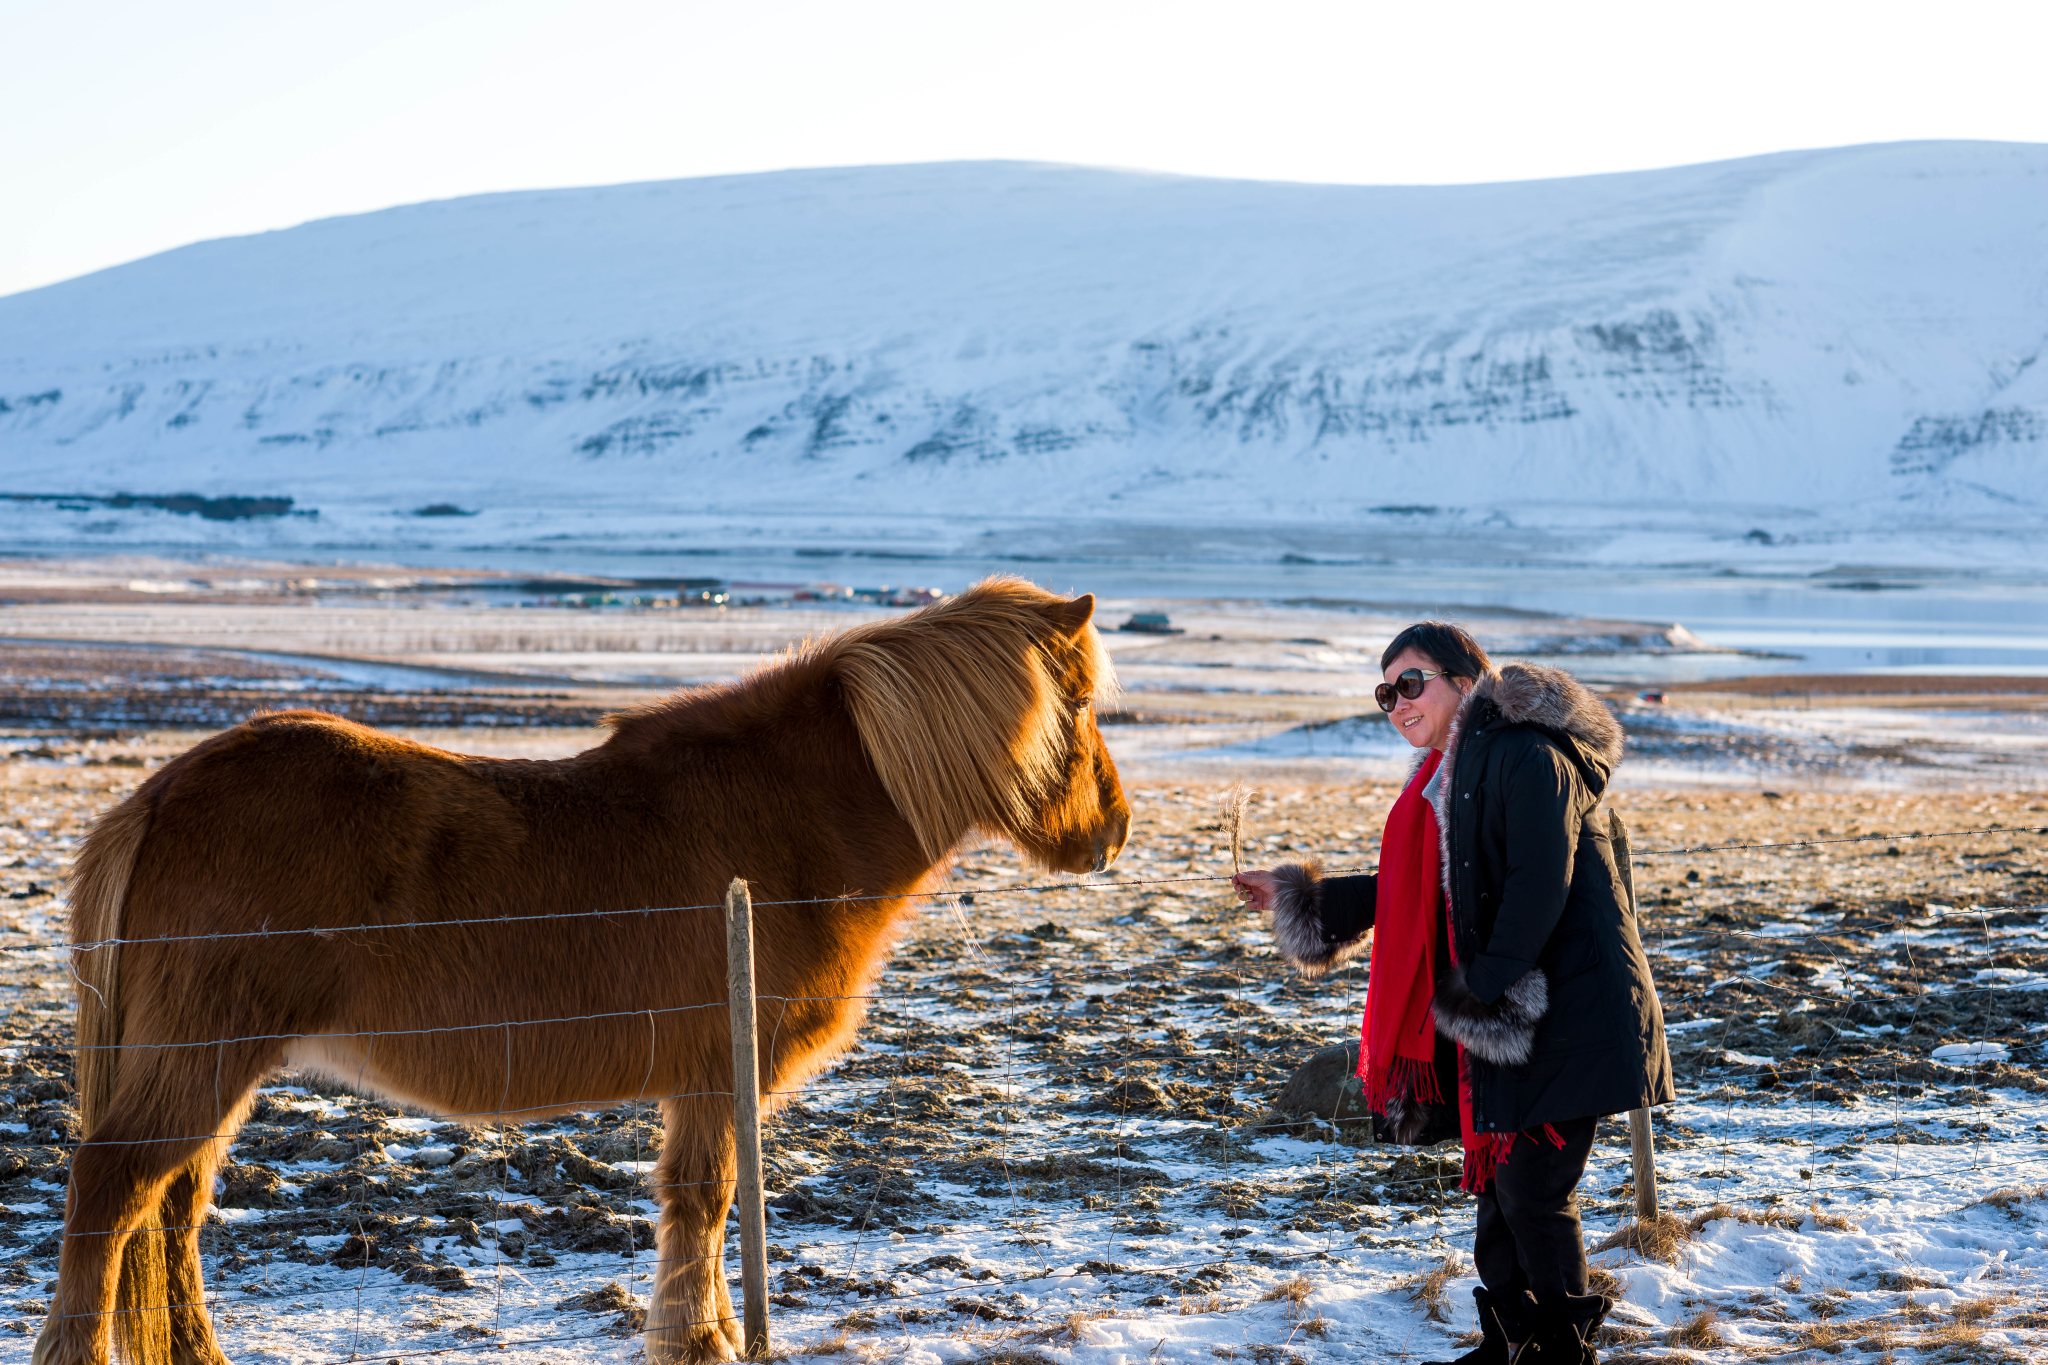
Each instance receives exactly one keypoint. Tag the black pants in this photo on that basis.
(1529, 1241)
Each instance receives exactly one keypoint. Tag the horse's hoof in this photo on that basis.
(690, 1345)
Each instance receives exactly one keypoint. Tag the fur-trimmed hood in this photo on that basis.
(1551, 699)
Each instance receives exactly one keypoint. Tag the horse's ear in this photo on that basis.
(1073, 617)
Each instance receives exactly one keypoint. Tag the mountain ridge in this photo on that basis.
(1845, 339)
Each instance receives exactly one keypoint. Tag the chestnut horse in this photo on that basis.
(303, 891)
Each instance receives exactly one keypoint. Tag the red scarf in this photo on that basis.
(1397, 1047)
(1397, 1038)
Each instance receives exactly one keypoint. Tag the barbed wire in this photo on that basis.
(966, 896)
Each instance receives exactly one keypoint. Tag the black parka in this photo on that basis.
(1537, 880)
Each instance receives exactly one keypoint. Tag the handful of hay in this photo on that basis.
(1234, 803)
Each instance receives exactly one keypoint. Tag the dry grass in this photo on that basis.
(1294, 1294)
(1663, 1239)
(1235, 800)
(1905, 1281)
(1764, 1306)
(1977, 1310)
(1068, 1329)
(1264, 1354)
(1827, 1336)
(1194, 1305)
(834, 1345)
(1659, 1240)
(1950, 1336)
(1828, 1303)
(1293, 1291)
(2009, 1199)
(1774, 1218)
(1432, 1288)
(1610, 1334)
(1699, 1332)
(1317, 1327)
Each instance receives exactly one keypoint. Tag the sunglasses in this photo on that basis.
(1408, 683)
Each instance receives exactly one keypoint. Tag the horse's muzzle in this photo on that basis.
(1107, 848)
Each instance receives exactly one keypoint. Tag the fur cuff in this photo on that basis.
(1298, 921)
(1405, 1117)
(1298, 915)
(1502, 1032)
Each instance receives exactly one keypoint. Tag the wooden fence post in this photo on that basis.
(1645, 1151)
(746, 1118)
(1643, 1148)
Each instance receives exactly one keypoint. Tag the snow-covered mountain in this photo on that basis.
(1814, 343)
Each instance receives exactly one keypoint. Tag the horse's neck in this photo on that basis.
(804, 799)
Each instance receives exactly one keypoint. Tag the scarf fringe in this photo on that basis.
(1484, 1153)
(1406, 1076)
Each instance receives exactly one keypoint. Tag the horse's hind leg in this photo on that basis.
(182, 1212)
(689, 1315)
(108, 1278)
(139, 1188)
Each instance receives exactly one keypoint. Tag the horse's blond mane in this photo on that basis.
(959, 704)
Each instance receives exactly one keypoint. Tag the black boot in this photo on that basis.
(1494, 1349)
(1564, 1330)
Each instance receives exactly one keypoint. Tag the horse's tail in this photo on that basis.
(99, 894)
(99, 898)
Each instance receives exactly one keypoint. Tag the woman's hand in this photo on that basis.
(1255, 888)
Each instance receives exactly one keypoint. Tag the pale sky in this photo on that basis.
(133, 127)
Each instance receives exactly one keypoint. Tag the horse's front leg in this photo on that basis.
(689, 1316)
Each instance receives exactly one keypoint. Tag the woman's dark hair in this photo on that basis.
(1451, 648)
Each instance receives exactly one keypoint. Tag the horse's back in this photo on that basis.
(300, 818)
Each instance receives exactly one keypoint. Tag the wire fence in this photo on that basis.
(385, 1233)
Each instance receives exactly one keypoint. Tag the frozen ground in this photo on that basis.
(1056, 1139)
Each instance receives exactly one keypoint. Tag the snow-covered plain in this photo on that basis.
(1837, 347)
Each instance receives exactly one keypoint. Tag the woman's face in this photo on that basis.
(1425, 721)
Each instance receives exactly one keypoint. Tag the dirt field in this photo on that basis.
(1057, 1139)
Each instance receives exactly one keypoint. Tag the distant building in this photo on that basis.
(883, 596)
(1151, 623)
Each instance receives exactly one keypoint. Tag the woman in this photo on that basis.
(1507, 979)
